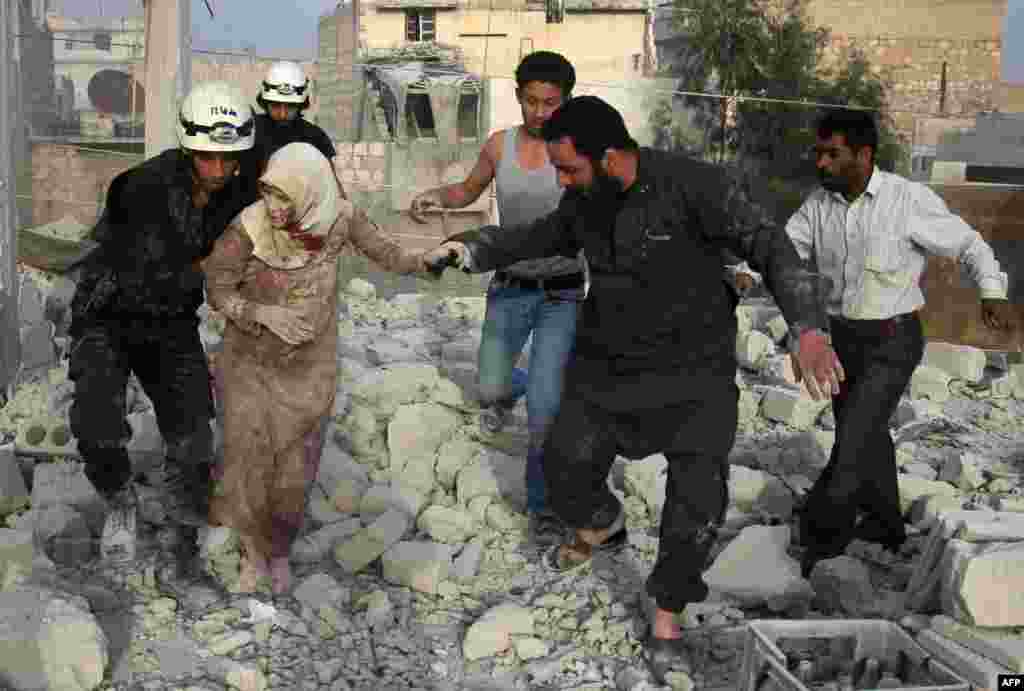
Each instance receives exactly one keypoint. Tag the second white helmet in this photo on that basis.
(215, 116)
(286, 83)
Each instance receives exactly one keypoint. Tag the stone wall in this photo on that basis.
(909, 40)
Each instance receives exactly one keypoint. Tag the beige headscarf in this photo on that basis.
(302, 173)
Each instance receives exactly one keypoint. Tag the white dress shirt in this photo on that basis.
(875, 249)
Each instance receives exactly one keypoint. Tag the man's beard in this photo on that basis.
(833, 183)
(604, 187)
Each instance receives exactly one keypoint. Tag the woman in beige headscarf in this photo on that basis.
(274, 275)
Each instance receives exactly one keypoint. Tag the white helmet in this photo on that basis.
(286, 83)
(215, 116)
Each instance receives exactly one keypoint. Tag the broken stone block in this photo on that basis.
(31, 303)
(777, 328)
(462, 350)
(744, 321)
(37, 348)
(759, 492)
(335, 466)
(931, 383)
(380, 499)
(505, 519)
(753, 348)
(647, 480)
(914, 488)
(66, 483)
(348, 493)
(791, 408)
(920, 469)
(958, 361)
(51, 641)
(415, 434)
(453, 456)
(360, 288)
(63, 534)
(17, 551)
(467, 564)
(492, 633)
(1005, 646)
(962, 470)
(776, 581)
(926, 510)
(447, 525)
(13, 492)
(385, 350)
(493, 474)
(843, 584)
(320, 589)
(1003, 385)
(982, 583)
(417, 565)
(360, 550)
(319, 544)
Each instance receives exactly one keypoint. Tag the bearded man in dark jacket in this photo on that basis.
(655, 358)
(134, 310)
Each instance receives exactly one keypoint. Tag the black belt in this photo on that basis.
(880, 327)
(566, 282)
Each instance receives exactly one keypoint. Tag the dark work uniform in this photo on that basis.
(134, 311)
(271, 136)
(655, 360)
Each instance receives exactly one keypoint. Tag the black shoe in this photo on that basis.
(545, 529)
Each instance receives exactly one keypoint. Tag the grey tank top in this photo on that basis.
(524, 196)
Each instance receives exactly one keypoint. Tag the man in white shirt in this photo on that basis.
(870, 233)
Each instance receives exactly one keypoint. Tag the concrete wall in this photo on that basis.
(601, 45)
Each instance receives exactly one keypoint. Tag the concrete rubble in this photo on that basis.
(413, 570)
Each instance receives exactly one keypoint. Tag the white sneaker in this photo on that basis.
(119, 528)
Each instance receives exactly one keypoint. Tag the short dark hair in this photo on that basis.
(545, 66)
(857, 127)
(591, 124)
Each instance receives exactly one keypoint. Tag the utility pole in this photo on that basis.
(168, 70)
(10, 339)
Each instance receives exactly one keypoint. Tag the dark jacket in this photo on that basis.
(659, 313)
(271, 136)
(150, 236)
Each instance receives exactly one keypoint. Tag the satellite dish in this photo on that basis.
(110, 91)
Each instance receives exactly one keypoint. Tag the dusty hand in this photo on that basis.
(445, 255)
(743, 282)
(289, 325)
(997, 314)
(431, 199)
(816, 357)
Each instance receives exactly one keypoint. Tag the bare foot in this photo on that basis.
(280, 575)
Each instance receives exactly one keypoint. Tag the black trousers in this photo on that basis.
(695, 436)
(171, 366)
(859, 482)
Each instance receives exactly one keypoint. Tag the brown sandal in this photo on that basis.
(560, 558)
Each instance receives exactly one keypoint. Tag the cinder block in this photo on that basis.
(958, 361)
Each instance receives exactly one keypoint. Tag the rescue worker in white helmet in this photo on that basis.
(284, 96)
(134, 309)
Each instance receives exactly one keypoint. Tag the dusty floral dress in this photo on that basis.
(277, 396)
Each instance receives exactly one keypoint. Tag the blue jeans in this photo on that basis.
(512, 313)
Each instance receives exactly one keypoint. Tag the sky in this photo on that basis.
(269, 27)
(288, 30)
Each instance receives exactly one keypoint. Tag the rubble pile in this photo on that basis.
(413, 570)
